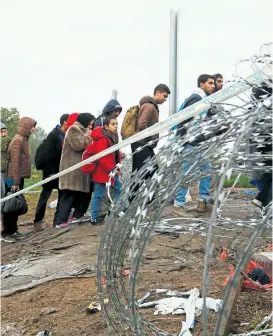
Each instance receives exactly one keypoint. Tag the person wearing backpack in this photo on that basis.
(103, 138)
(75, 187)
(18, 168)
(139, 118)
(111, 109)
(205, 88)
(49, 157)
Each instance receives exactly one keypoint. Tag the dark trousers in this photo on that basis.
(139, 160)
(10, 220)
(265, 196)
(71, 199)
(44, 197)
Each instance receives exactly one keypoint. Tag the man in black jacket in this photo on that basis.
(52, 155)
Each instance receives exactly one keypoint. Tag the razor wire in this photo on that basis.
(139, 211)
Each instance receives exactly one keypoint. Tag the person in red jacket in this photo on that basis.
(103, 138)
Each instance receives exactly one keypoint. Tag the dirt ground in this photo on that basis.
(60, 305)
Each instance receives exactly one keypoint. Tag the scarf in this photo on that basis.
(113, 137)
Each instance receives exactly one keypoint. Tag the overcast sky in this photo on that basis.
(63, 56)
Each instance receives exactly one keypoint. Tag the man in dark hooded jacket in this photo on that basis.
(111, 109)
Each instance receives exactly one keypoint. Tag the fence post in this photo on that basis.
(173, 62)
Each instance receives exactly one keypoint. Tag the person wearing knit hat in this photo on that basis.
(86, 120)
(75, 186)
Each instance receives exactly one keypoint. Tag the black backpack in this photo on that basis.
(40, 156)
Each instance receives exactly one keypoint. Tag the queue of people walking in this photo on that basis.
(78, 136)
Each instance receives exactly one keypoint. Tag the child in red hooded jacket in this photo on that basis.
(103, 138)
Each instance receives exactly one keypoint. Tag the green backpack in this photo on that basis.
(129, 124)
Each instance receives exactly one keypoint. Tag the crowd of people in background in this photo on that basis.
(81, 135)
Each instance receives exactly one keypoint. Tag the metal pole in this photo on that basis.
(114, 94)
(173, 61)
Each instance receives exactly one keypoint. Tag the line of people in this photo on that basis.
(79, 136)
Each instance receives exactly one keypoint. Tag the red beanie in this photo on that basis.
(71, 119)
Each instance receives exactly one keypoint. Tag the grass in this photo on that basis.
(36, 176)
(244, 182)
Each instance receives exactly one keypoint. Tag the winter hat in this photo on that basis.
(72, 118)
(3, 126)
(112, 105)
(85, 119)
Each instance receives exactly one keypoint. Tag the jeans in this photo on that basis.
(99, 191)
(204, 184)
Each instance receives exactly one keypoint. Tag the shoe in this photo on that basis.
(257, 203)
(181, 211)
(7, 238)
(38, 226)
(201, 206)
(61, 226)
(17, 235)
(79, 219)
(97, 221)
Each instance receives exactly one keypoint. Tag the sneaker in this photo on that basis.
(201, 206)
(97, 221)
(257, 203)
(79, 219)
(61, 226)
(17, 235)
(7, 238)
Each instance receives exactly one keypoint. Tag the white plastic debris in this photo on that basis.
(188, 303)
(53, 204)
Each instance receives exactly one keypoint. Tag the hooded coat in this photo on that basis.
(19, 165)
(105, 164)
(71, 119)
(148, 115)
(111, 106)
(77, 138)
(5, 140)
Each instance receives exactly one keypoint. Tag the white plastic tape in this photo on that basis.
(218, 97)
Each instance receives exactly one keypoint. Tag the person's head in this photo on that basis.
(3, 130)
(112, 108)
(206, 83)
(26, 126)
(218, 82)
(161, 93)
(86, 120)
(111, 124)
(63, 122)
